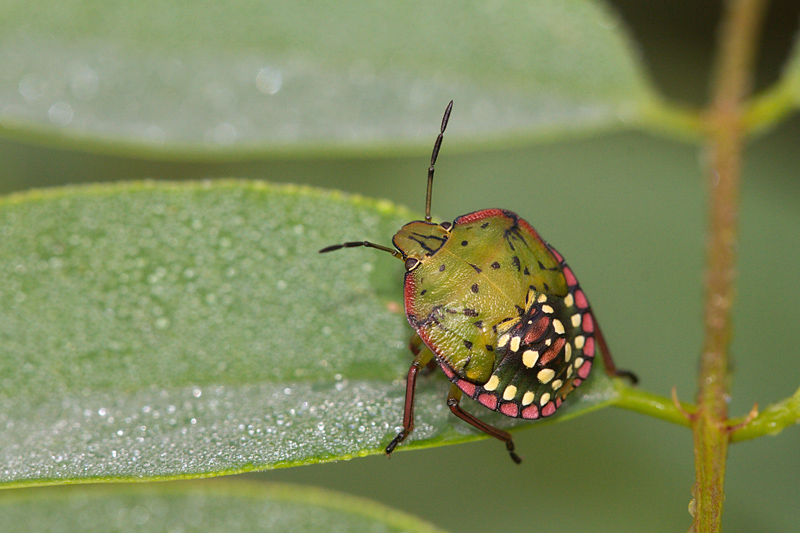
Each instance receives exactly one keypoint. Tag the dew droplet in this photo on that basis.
(269, 80)
(83, 82)
(60, 113)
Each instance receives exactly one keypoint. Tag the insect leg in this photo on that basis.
(454, 396)
(608, 362)
(423, 358)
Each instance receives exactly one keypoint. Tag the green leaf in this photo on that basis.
(216, 506)
(253, 75)
(160, 331)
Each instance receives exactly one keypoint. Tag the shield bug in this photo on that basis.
(498, 309)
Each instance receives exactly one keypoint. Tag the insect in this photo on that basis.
(498, 309)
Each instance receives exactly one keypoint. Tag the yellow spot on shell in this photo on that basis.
(567, 352)
(569, 300)
(545, 375)
(528, 398)
(529, 358)
(547, 309)
(544, 399)
(503, 340)
(515, 344)
(492, 384)
(578, 362)
(579, 342)
(509, 393)
(542, 298)
(576, 320)
(558, 327)
(557, 384)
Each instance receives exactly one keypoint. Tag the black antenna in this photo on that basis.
(355, 244)
(434, 155)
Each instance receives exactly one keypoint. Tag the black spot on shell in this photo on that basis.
(478, 324)
(489, 348)
(485, 225)
(441, 268)
(475, 287)
(495, 265)
(422, 292)
(527, 272)
(546, 287)
(515, 262)
(541, 266)
(470, 312)
(468, 344)
(477, 269)
(464, 243)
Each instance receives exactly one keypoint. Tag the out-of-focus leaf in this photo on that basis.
(245, 74)
(231, 506)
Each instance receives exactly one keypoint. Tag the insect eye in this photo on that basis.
(446, 225)
(412, 263)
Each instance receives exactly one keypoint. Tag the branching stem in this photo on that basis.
(731, 85)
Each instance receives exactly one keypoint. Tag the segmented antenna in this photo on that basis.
(434, 155)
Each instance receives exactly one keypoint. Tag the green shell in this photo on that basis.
(492, 300)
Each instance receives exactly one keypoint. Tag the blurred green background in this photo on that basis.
(627, 211)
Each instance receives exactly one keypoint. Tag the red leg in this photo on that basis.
(423, 357)
(611, 368)
(452, 402)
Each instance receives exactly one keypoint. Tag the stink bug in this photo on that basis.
(499, 310)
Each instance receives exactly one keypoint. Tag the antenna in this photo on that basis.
(434, 155)
(355, 244)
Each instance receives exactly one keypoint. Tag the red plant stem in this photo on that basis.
(725, 144)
